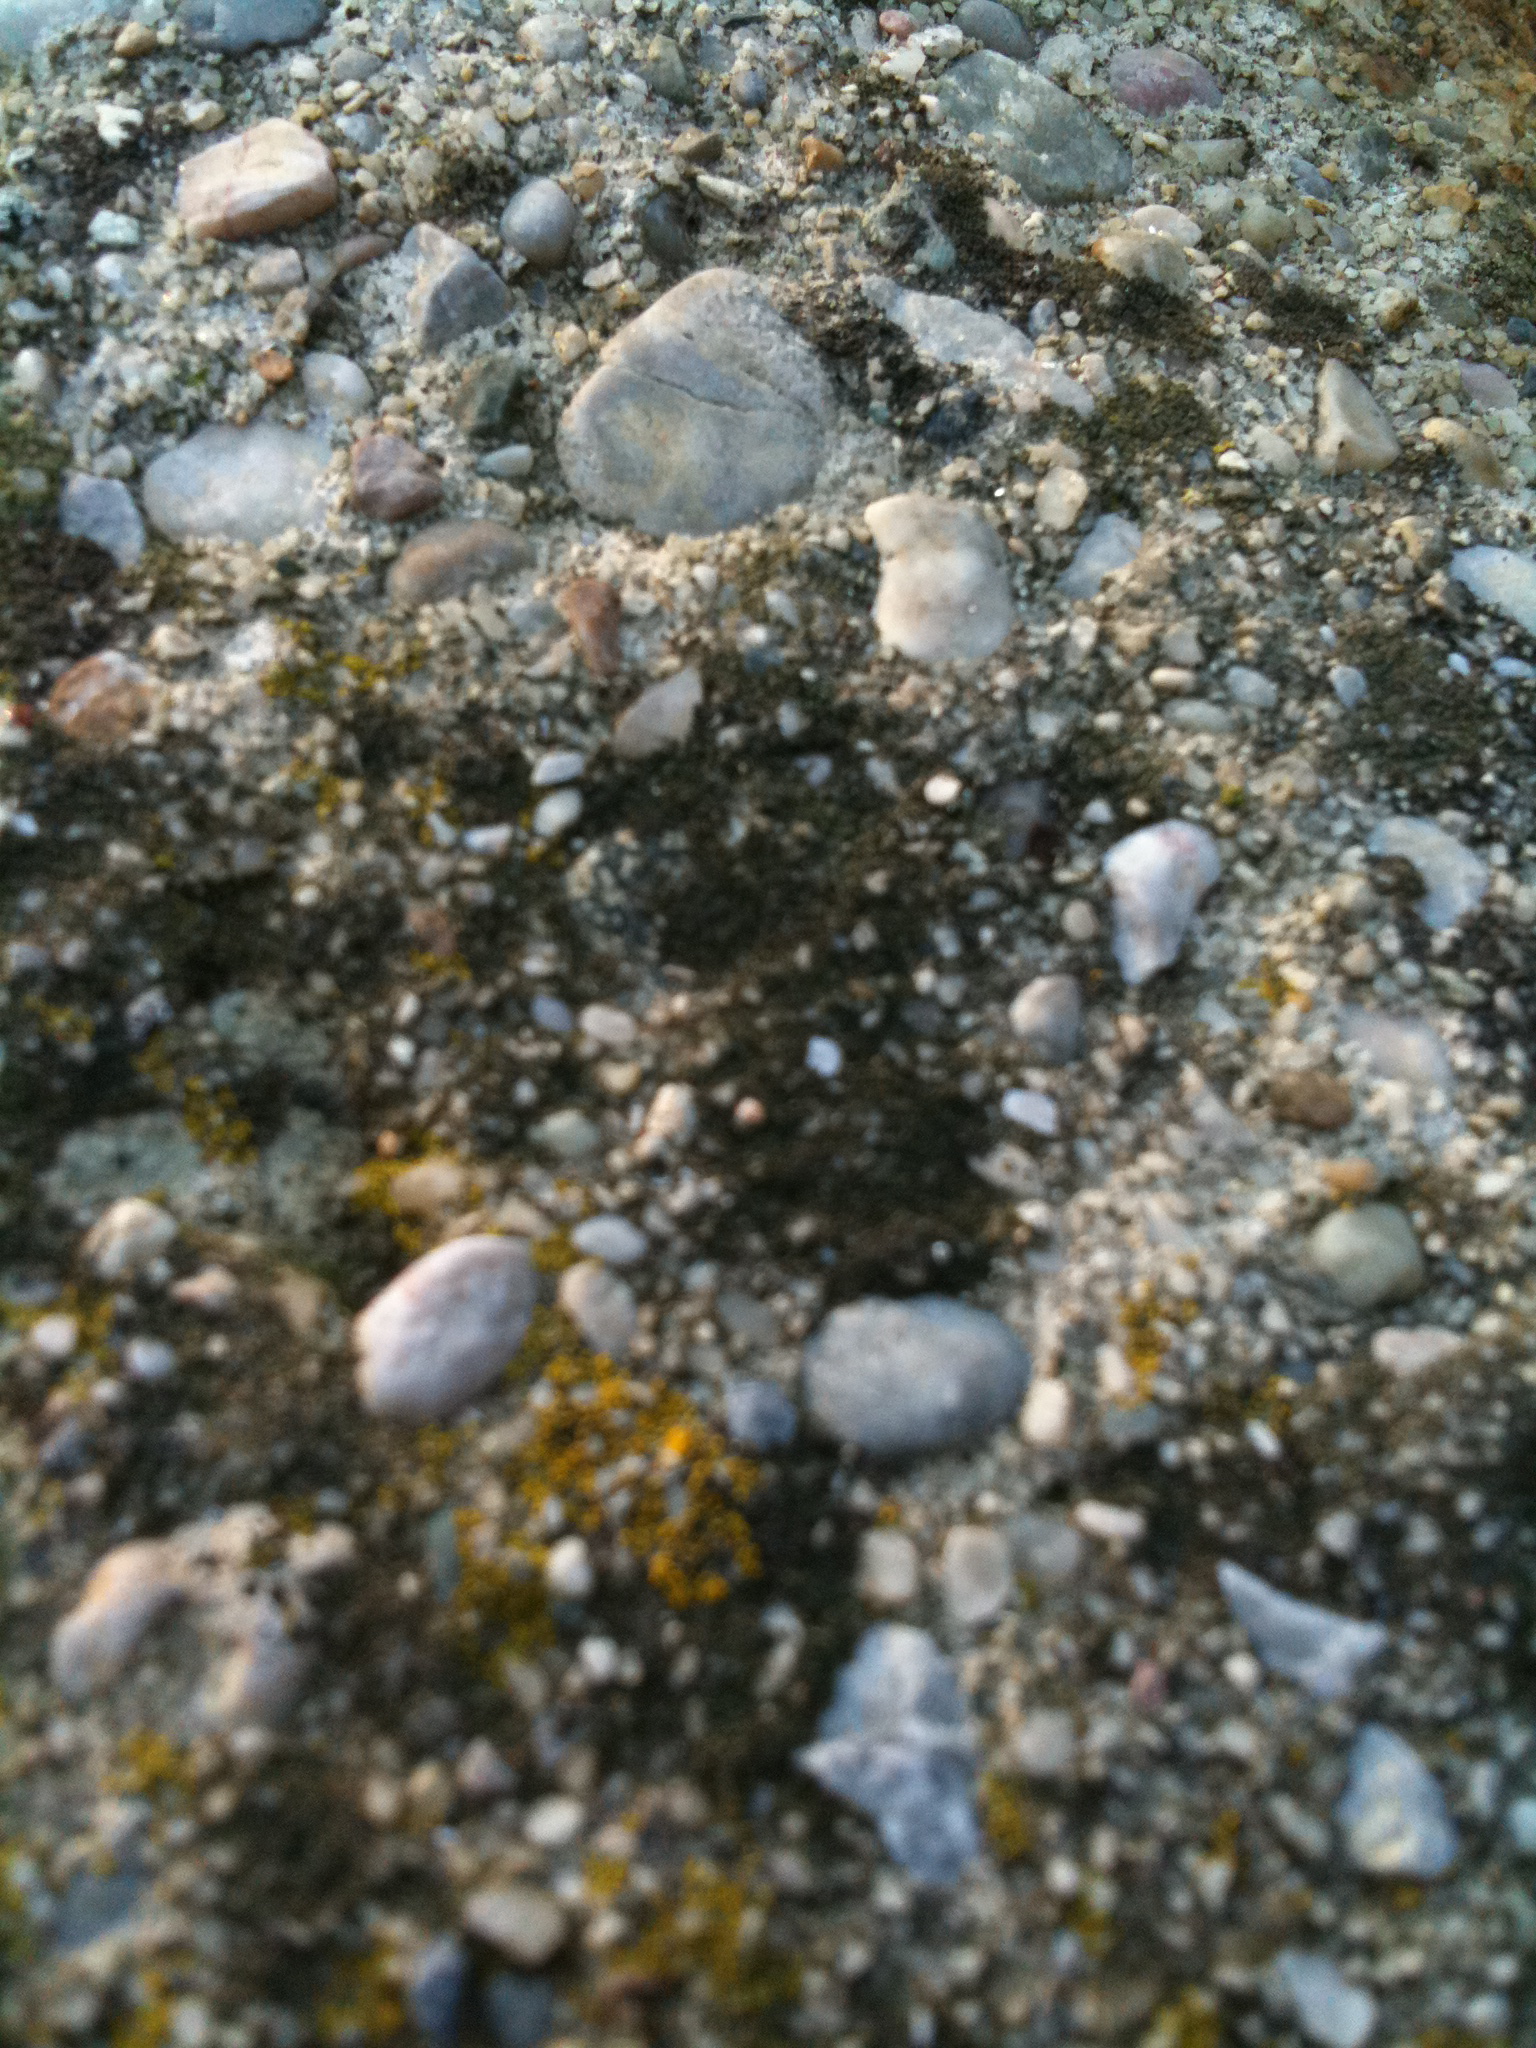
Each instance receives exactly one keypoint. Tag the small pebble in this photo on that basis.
(1158, 877)
(1370, 1255)
(1393, 1812)
(540, 223)
(392, 479)
(443, 1330)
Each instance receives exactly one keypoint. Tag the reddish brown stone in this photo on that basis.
(1319, 1102)
(272, 366)
(819, 155)
(100, 700)
(1389, 76)
(590, 608)
(392, 479)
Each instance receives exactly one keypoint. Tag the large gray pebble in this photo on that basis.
(235, 26)
(453, 292)
(237, 483)
(1370, 1254)
(540, 222)
(900, 1377)
(708, 411)
(945, 592)
(443, 1330)
(994, 27)
(1034, 131)
(1048, 1016)
(1393, 1812)
(101, 509)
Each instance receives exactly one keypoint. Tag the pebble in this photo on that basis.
(450, 558)
(1330, 2011)
(994, 27)
(392, 479)
(1370, 1255)
(759, 1415)
(568, 1569)
(1320, 1650)
(453, 292)
(510, 464)
(975, 1575)
(487, 395)
(1045, 1744)
(147, 1359)
(1349, 685)
(128, 1238)
(100, 701)
(661, 716)
(435, 1983)
(1158, 81)
(1110, 544)
(334, 387)
(519, 2010)
(1137, 253)
(1521, 1822)
(446, 1328)
(540, 223)
(1267, 228)
(1488, 387)
(945, 592)
(889, 1571)
(109, 230)
(1455, 879)
(1501, 579)
(556, 814)
(1251, 688)
(898, 1378)
(1033, 131)
(1353, 433)
(520, 1922)
(236, 26)
(664, 232)
(708, 411)
(554, 38)
(947, 330)
(127, 1592)
(613, 1239)
(1414, 1350)
(1047, 1014)
(1061, 498)
(895, 1743)
(1398, 1048)
(1032, 1110)
(1316, 1101)
(237, 483)
(592, 609)
(274, 176)
(1393, 1812)
(600, 1304)
(1158, 877)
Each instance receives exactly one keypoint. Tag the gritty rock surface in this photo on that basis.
(393, 480)
(448, 559)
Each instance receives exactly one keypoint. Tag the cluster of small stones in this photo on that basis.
(767, 1191)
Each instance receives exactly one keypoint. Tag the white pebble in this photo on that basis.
(148, 1359)
(54, 1337)
(942, 789)
(445, 1328)
(1455, 879)
(824, 1057)
(1330, 2011)
(1393, 1812)
(888, 1568)
(130, 1588)
(129, 1237)
(550, 770)
(1046, 1421)
(1111, 1524)
(555, 1821)
(1158, 876)
(976, 1574)
(568, 1569)
(556, 814)
(1321, 1650)
(614, 1239)
(600, 1304)
(1032, 1110)
(1045, 1744)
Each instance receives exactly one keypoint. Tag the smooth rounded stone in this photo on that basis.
(1393, 1812)
(235, 26)
(994, 27)
(664, 232)
(1488, 387)
(660, 717)
(435, 1983)
(1155, 259)
(1398, 1048)
(334, 386)
(447, 1327)
(600, 1304)
(1415, 1350)
(1166, 220)
(525, 1925)
(1110, 544)
(128, 1238)
(945, 592)
(1369, 1254)
(1350, 685)
(1330, 2011)
(567, 1134)
(1060, 499)
(708, 411)
(510, 464)
(1353, 433)
(1267, 228)
(453, 292)
(1521, 1823)
(1320, 1650)
(274, 176)
(1045, 1744)
(975, 1575)
(554, 38)
(568, 1571)
(519, 2011)
(450, 558)
(1501, 579)
(259, 1683)
(1159, 81)
(748, 87)
(890, 1571)
(1047, 1014)
(100, 701)
(759, 1415)
(237, 483)
(897, 1378)
(895, 1743)
(1034, 131)
(392, 479)
(540, 221)
(1455, 879)
(127, 1592)
(1158, 877)
(1251, 688)
(614, 1239)
(1315, 1100)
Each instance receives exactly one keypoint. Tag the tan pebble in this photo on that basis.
(100, 700)
(273, 176)
(1319, 1102)
(697, 146)
(136, 40)
(1471, 451)
(447, 560)
(590, 608)
(392, 479)
(571, 343)
(1345, 1179)
(272, 365)
(586, 181)
(820, 155)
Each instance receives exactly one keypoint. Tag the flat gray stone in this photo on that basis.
(896, 1378)
(1393, 1812)
(1034, 131)
(235, 26)
(453, 293)
(237, 483)
(101, 509)
(449, 558)
(707, 412)
(994, 27)
(1501, 579)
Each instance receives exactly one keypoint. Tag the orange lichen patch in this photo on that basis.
(1145, 1320)
(711, 1936)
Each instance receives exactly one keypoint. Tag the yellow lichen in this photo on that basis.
(372, 1190)
(59, 1021)
(149, 1762)
(711, 1936)
(499, 1606)
(1190, 2021)
(148, 2025)
(552, 1254)
(1271, 984)
(362, 2003)
(604, 1877)
(214, 1124)
(1005, 1816)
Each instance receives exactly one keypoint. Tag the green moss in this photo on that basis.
(1502, 273)
(1153, 416)
(1416, 729)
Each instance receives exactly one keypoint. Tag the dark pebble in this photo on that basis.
(487, 396)
(749, 89)
(664, 232)
(1521, 331)
(1528, 383)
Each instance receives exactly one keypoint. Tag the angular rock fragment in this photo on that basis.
(945, 592)
(1034, 131)
(1393, 1812)
(276, 175)
(1353, 433)
(1455, 878)
(1320, 1650)
(660, 717)
(392, 479)
(453, 292)
(1158, 876)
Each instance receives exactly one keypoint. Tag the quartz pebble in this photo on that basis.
(975, 1575)
(614, 1239)
(1136, 253)
(568, 1569)
(1111, 543)
(1158, 877)
(525, 1925)
(947, 330)
(127, 1592)
(1398, 1048)
(896, 1378)
(274, 176)
(888, 1573)
(600, 1304)
(392, 479)
(1060, 498)
(334, 387)
(1157, 81)
(1058, 152)
(945, 593)
(1320, 1650)
(453, 293)
(128, 1238)
(660, 717)
(554, 38)
(1370, 1255)
(1045, 1744)
(895, 1743)
(539, 222)
(100, 701)
(1501, 579)
(237, 483)
(1455, 879)
(1393, 1813)
(101, 509)
(1414, 1350)
(1047, 1015)
(443, 1330)
(449, 559)
(1330, 2011)
(1353, 433)
(708, 411)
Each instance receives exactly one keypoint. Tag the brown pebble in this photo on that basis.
(897, 24)
(698, 146)
(1389, 76)
(1320, 1102)
(276, 175)
(100, 700)
(136, 40)
(818, 155)
(586, 181)
(272, 366)
(392, 479)
(1345, 1179)
(590, 608)
(325, 266)
(450, 558)
(432, 930)
(293, 313)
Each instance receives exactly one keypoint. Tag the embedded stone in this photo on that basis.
(392, 479)
(945, 592)
(99, 701)
(1353, 433)
(448, 559)
(1038, 134)
(1159, 81)
(276, 175)
(443, 1330)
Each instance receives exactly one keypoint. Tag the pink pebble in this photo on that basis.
(1157, 81)
(897, 25)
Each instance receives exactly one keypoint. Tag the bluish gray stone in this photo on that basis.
(1393, 1811)
(101, 509)
(994, 27)
(1034, 131)
(1320, 1650)
(237, 483)
(540, 222)
(1501, 579)
(894, 1742)
(453, 293)
(1111, 543)
(895, 1378)
(759, 1415)
(1330, 2011)
(235, 26)
(434, 1990)
(519, 2010)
